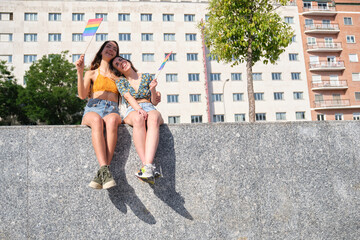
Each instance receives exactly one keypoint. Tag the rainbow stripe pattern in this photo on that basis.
(92, 26)
(165, 60)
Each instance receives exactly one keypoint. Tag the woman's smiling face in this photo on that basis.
(121, 64)
(109, 50)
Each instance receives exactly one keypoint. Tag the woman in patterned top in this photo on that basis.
(139, 92)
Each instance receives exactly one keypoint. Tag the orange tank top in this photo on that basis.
(104, 84)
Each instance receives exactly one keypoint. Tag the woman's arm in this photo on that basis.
(155, 99)
(83, 82)
(135, 105)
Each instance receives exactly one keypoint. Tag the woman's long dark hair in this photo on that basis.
(97, 60)
(117, 72)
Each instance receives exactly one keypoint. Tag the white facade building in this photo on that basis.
(146, 31)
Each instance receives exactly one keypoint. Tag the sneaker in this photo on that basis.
(96, 183)
(107, 179)
(146, 173)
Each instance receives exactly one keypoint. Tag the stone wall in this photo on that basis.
(293, 180)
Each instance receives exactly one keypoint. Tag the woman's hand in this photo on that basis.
(153, 84)
(158, 97)
(142, 113)
(80, 64)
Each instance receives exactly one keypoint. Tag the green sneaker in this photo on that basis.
(96, 183)
(107, 179)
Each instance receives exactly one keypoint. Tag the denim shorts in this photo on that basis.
(101, 107)
(147, 107)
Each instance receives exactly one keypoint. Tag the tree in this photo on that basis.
(248, 31)
(50, 93)
(10, 112)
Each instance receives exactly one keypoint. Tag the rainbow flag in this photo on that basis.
(165, 60)
(92, 26)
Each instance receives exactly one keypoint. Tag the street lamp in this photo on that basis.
(224, 98)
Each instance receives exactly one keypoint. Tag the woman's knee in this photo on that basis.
(97, 122)
(138, 120)
(154, 121)
(112, 121)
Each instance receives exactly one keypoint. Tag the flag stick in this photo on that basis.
(89, 43)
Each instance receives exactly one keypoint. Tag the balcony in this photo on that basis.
(329, 85)
(327, 66)
(319, 11)
(331, 104)
(324, 47)
(322, 28)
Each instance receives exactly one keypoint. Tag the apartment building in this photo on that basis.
(194, 87)
(330, 31)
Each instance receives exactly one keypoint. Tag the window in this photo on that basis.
(196, 119)
(298, 95)
(311, 41)
(75, 57)
(218, 118)
(124, 37)
(280, 116)
(239, 117)
(172, 57)
(235, 76)
(54, 16)
(215, 76)
(171, 77)
(339, 116)
(357, 96)
(356, 116)
(276, 76)
(77, 37)
(54, 37)
(356, 76)
(217, 97)
(307, 5)
(195, 97)
(29, 58)
(30, 37)
(168, 17)
(260, 116)
(309, 22)
(278, 96)
(78, 17)
(101, 37)
(30, 16)
(173, 98)
(322, 5)
(6, 16)
(194, 77)
(257, 76)
(190, 36)
(7, 58)
(293, 38)
(147, 37)
(146, 17)
(300, 115)
(124, 17)
(189, 17)
(237, 97)
(320, 117)
(350, 39)
(148, 57)
(316, 78)
(289, 20)
(101, 15)
(173, 119)
(259, 96)
(6, 37)
(347, 20)
(192, 56)
(295, 76)
(353, 57)
(126, 56)
(293, 56)
(169, 36)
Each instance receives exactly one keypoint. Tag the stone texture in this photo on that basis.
(294, 180)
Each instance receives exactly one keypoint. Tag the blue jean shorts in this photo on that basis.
(147, 107)
(101, 107)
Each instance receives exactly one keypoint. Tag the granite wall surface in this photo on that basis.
(293, 180)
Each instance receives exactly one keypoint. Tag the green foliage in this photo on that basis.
(232, 23)
(10, 112)
(50, 96)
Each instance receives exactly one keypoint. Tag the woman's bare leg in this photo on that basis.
(112, 122)
(154, 121)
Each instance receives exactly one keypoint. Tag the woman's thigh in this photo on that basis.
(112, 118)
(133, 118)
(91, 118)
(155, 115)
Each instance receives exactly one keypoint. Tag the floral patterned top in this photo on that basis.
(143, 92)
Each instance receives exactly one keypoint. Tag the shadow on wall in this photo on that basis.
(164, 188)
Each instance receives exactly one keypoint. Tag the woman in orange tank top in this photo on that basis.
(102, 110)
